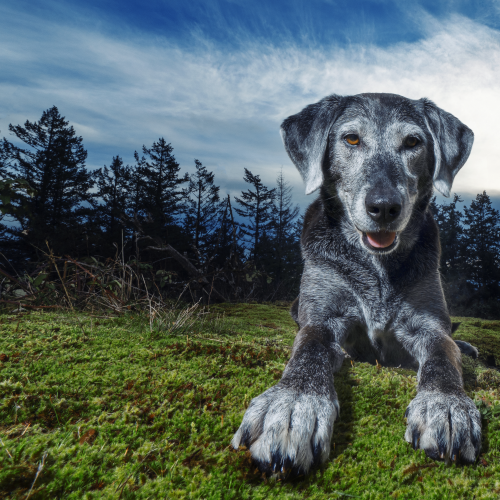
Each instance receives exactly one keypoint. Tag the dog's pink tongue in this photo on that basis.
(381, 239)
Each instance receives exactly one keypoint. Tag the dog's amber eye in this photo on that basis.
(411, 142)
(352, 139)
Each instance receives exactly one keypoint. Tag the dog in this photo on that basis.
(371, 284)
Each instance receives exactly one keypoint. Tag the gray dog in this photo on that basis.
(371, 283)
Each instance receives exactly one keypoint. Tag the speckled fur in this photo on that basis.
(379, 306)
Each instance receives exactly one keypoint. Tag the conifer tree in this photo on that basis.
(53, 163)
(449, 220)
(135, 191)
(280, 248)
(226, 244)
(256, 207)
(5, 158)
(162, 195)
(203, 209)
(482, 244)
(452, 263)
(284, 215)
(113, 186)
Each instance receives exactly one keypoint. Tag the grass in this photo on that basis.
(105, 407)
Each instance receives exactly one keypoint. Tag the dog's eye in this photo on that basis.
(411, 142)
(352, 139)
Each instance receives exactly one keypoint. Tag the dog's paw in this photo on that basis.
(444, 426)
(287, 431)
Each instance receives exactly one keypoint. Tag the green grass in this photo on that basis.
(115, 411)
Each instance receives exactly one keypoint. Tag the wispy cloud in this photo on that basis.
(225, 106)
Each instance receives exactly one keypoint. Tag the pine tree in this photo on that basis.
(449, 220)
(284, 217)
(226, 244)
(256, 207)
(5, 158)
(136, 191)
(482, 244)
(452, 264)
(163, 197)
(280, 246)
(203, 209)
(14, 193)
(113, 186)
(54, 166)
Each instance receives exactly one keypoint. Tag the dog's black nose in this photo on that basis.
(383, 206)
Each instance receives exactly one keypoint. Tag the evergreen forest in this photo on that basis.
(62, 226)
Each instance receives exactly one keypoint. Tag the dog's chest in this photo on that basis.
(378, 303)
(377, 316)
(374, 340)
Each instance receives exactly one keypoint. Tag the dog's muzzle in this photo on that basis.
(383, 205)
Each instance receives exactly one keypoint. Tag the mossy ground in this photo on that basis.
(113, 410)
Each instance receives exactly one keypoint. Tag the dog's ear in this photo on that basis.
(305, 136)
(452, 145)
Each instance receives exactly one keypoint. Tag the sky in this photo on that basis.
(216, 78)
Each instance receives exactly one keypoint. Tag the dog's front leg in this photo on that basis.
(442, 420)
(288, 428)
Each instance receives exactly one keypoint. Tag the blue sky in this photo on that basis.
(216, 78)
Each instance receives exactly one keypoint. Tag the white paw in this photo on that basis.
(287, 431)
(444, 426)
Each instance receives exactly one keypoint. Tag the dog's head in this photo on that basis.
(379, 154)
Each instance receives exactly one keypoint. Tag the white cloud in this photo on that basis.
(225, 107)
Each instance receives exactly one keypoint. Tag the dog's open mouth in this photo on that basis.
(381, 240)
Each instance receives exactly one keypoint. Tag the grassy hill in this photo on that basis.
(117, 407)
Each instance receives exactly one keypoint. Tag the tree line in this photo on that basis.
(180, 229)
(470, 256)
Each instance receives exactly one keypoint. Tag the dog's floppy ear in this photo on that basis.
(452, 145)
(305, 136)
